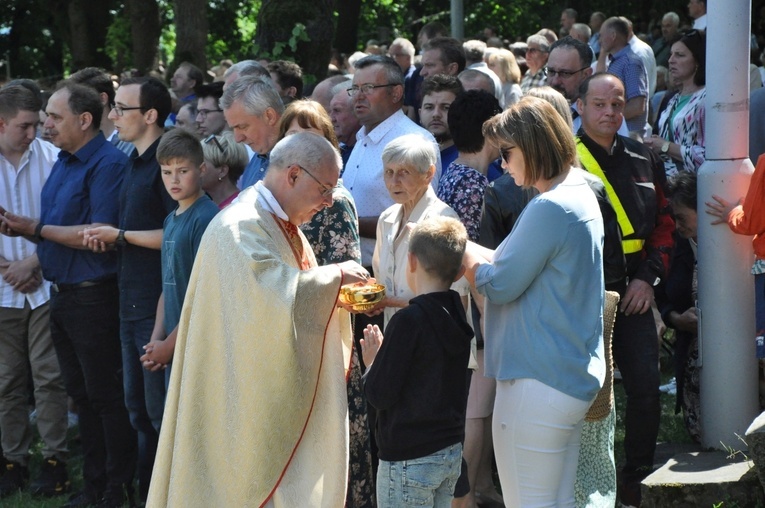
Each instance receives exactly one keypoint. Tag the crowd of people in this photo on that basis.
(172, 260)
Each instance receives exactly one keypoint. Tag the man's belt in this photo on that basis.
(60, 288)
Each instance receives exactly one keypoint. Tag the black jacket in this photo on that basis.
(418, 381)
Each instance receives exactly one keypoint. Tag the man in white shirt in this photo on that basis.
(697, 9)
(25, 164)
(378, 94)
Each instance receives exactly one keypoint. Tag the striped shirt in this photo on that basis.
(20, 194)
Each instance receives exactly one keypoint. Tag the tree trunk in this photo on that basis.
(276, 20)
(190, 33)
(88, 24)
(144, 31)
(348, 16)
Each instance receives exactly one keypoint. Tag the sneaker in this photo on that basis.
(82, 499)
(15, 477)
(670, 388)
(53, 480)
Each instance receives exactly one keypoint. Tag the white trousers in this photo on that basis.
(536, 433)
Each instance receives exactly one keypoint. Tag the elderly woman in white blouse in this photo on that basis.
(409, 164)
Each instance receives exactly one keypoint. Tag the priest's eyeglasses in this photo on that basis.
(326, 190)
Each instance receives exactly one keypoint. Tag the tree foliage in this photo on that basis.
(50, 38)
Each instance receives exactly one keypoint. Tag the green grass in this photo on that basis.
(74, 466)
(672, 430)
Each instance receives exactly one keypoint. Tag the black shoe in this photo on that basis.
(82, 499)
(15, 477)
(53, 480)
(122, 497)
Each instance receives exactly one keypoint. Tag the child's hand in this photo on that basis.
(158, 355)
(721, 209)
(371, 343)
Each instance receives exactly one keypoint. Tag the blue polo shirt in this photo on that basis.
(144, 204)
(83, 188)
(255, 170)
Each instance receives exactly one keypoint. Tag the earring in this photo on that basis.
(220, 178)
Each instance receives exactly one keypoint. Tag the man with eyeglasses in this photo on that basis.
(84, 307)
(257, 292)
(209, 113)
(141, 107)
(377, 96)
(536, 59)
(567, 67)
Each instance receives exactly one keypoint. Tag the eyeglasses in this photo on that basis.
(212, 138)
(367, 88)
(505, 153)
(120, 110)
(533, 50)
(204, 112)
(326, 191)
(563, 74)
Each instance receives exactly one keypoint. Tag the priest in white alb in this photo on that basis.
(256, 411)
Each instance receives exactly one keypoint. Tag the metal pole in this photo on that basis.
(729, 388)
(458, 19)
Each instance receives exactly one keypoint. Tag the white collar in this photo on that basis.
(269, 202)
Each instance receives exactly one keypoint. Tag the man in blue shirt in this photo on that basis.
(252, 108)
(84, 307)
(141, 107)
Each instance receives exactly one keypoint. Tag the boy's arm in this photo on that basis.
(157, 335)
(160, 353)
(370, 344)
(384, 380)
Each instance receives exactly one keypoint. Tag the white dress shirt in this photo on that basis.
(20, 194)
(363, 174)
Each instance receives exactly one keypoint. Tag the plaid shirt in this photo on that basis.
(532, 80)
(630, 69)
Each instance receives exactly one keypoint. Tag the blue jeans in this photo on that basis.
(84, 325)
(426, 481)
(144, 395)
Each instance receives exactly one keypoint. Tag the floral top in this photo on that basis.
(462, 187)
(687, 130)
(334, 232)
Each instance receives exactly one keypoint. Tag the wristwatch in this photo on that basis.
(665, 147)
(121, 238)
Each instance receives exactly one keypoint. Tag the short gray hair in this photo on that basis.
(673, 17)
(306, 149)
(539, 40)
(256, 94)
(411, 150)
(405, 44)
(474, 50)
(247, 68)
(342, 87)
(581, 28)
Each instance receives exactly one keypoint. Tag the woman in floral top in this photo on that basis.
(681, 124)
(334, 236)
(463, 183)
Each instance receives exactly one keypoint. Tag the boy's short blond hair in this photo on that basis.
(180, 144)
(438, 244)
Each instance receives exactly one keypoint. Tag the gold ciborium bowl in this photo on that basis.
(362, 297)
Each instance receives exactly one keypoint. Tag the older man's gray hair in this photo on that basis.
(247, 68)
(539, 40)
(410, 150)
(305, 149)
(255, 93)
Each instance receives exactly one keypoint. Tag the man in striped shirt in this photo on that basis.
(25, 164)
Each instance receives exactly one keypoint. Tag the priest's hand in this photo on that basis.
(353, 273)
(371, 343)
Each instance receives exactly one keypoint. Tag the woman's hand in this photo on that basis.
(654, 143)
